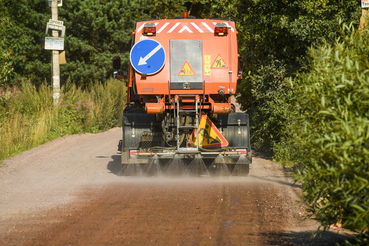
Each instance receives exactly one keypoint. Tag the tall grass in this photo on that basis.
(29, 117)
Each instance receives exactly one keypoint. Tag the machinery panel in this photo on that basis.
(186, 64)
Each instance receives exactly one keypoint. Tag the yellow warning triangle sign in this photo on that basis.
(209, 135)
(219, 63)
(186, 70)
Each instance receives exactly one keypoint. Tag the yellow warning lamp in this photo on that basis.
(185, 15)
(149, 29)
(221, 29)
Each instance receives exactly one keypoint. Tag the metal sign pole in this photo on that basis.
(55, 56)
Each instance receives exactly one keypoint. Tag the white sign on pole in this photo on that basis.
(60, 2)
(52, 43)
(61, 29)
(55, 27)
(365, 3)
(56, 22)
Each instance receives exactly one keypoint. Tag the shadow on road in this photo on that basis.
(262, 155)
(115, 166)
(294, 185)
(305, 238)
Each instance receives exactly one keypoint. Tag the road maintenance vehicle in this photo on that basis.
(182, 75)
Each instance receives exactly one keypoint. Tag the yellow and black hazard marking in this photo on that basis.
(207, 70)
(219, 63)
(209, 135)
(186, 70)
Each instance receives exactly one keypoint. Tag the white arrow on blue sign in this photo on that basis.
(147, 56)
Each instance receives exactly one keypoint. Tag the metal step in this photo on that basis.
(179, 112)
(187, 111)
(187, 95)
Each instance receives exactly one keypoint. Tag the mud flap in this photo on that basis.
(137, 126)
(235, 127)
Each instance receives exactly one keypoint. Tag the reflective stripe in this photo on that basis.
(133, 152)
(229, 26)
(163, 27)
(140, 28)
(174, 27)
(198, 28)
(185, 28)
(206, 25)
(203, 27)
(242, 151)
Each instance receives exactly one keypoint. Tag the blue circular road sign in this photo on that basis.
(147, 56)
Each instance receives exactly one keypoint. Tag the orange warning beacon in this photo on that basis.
(182, 75)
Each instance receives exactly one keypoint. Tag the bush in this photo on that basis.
(6, 68)
(331, 132)
(269, 107)
(29, 117)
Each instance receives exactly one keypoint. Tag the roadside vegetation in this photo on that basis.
(29, 117)
(329, 132)
(304, 84)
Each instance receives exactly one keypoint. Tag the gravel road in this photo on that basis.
(68, 192)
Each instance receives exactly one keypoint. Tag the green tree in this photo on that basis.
(95, 31)
(331, 131)
(274, 37)
(23, 33)
(6, 65)
(98, 30)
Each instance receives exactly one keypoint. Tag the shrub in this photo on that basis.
(331, 132)
(6, 68)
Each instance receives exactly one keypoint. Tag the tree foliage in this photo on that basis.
(331, 131)
(95, 31)
(6, 67)
(23, 31)
(274, 39)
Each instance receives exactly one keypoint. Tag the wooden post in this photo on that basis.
(55, 56)
(363, 21)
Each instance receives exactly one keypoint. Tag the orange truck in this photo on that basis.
(182, 75)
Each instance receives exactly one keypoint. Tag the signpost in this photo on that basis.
(365, 3)
(364, 15)
(51, 25)
(55, 43)
(56, 22)
(147, 57)
(60, 3)
(52, 43)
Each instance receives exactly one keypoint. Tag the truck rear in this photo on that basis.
(182, 75)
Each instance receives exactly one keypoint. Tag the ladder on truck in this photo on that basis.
(178, 113)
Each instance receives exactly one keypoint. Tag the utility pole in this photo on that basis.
(55, 56)
(363, 21)
(364, 16)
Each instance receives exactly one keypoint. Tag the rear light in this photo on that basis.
(242, 151)
(133, 152)
(221, 29)
(149, 29)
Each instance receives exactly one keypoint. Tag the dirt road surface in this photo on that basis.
(69, 192)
